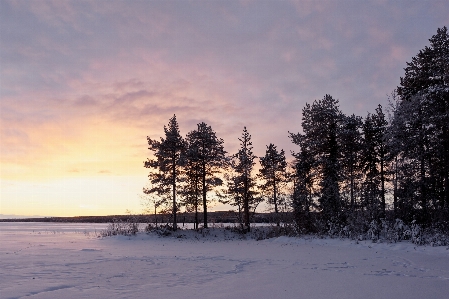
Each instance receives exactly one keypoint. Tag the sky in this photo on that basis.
(83, 83)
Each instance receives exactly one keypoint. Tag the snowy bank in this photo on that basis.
(76, 264)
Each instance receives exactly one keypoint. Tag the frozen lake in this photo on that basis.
(52, 260)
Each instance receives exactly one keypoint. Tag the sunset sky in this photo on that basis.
(82, 83)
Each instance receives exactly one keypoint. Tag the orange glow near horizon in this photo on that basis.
(97, 171)
(87, 196)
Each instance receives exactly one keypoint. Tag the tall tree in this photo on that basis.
(350, 156)
(375, 155)
(303, 182)
(191, 177)
(423, 111)
(241, 185)
(211, 157)
(167, 163)
(321, 123)
(273, 174)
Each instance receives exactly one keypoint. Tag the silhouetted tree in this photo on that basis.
(375, 154)
(350, 139)
(192, 178)
(166, 163)
(241, 183)
(211, 157)
(273, 175)
(303, 182)
(321, 123)
(421, 126)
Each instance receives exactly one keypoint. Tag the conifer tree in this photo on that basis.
(375, 154)
(166, 163)
(241, 184)
(211, 157)
(273, 175)
(421, 125)
(303, 181)
(350, 156)
(191, 177)
(321, 125)
(370, 167)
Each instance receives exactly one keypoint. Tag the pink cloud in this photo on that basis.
(229, 64)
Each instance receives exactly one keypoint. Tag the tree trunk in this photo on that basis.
(395, 191)
(382, 181)
(175, 224)
(240, 217)
(446, 167)
(246, 205)
(204, 196)
(423, 185)
(275, 201)
(422, 174)
(352, 189)
(195, 226)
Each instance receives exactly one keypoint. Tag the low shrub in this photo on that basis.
(119, 227)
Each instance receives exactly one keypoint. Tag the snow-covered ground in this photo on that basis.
(44, 260)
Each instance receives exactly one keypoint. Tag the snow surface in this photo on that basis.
(44, 260)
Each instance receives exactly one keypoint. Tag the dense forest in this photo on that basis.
(349, 175)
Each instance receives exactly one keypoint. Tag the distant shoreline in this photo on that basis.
(218, 217)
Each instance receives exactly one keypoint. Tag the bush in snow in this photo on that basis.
(394, 231)
(118, 227)
(360, 227)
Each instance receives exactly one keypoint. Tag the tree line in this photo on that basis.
(392, 163)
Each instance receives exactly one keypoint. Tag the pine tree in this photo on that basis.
(423, 113)
(211, 158)
(370, 166)
(191, 177)
(234, 193)
(273, 175)
(350, 156)
(382, 152)
(167, 163)
(303, 182)
(321, 123)
(403, 146)
(375, 154)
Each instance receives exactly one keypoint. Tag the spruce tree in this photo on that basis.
(241, 184)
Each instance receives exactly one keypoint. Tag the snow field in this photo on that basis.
(69, 261)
